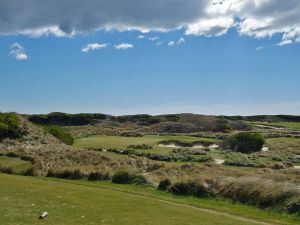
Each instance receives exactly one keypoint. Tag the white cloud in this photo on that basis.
(210, 27)
(171, 43)
(141, 37)
(256, 18)
(153, 38)
(123, 46)
(18, 52)
(94, 46)
(180, 41)
(259, 48)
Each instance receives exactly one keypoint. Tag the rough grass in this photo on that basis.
(15, 165)
(105, 203)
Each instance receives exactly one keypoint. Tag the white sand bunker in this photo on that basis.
(213, 146)
(265, 149)
(219, 161)
(169, 146)
(172, 145)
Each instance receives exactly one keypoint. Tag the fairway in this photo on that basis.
(290, 125)
(105, 142)
(25, 198)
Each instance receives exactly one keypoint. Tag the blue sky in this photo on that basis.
(229, 73)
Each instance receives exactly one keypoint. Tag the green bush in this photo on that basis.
(142, 146)
(222, 125)
(9, 126)
(188, 188)
(59, 133)
(140, 180)
(246, 142)
(64, 119)
(122, 177)
(94, 176)
(164, 185)
(66, 174)
(12, 155)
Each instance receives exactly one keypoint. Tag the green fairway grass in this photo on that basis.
(82, 202)
(291, 125)
(106, 142)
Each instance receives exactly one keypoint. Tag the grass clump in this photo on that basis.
(188, 188)
(122, 177)
(97, 176)
(262, 193)
(125, 177)
(71, 174)
(164, 184)
(62, 135)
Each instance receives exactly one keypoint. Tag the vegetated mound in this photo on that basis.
(9, 126)
(266, 118)
(49, 152)
(92, 124)
(246, 142)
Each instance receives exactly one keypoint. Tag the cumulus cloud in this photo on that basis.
(256, 18)
(141, 37)
(123, 46)
(94, 46)
(171, 43)
(153, 38)
(18, 52)
(178, 42)
(181, 41)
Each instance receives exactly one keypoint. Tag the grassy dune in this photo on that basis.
(80, 203)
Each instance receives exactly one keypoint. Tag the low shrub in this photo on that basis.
(142, 146)
(122, 177)
(246, 142)
(7, 170)
(171, 157)
(188, 188)
(61, 134)
(94, 176)
(239, 159)
(164, 185)
(189, 151)
(12, 155)
(65, 174)
(27, 158)
(140, 180)
(9, 126)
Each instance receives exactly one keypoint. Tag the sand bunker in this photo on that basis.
(219, 161)
(169, 146)
(172, 145)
